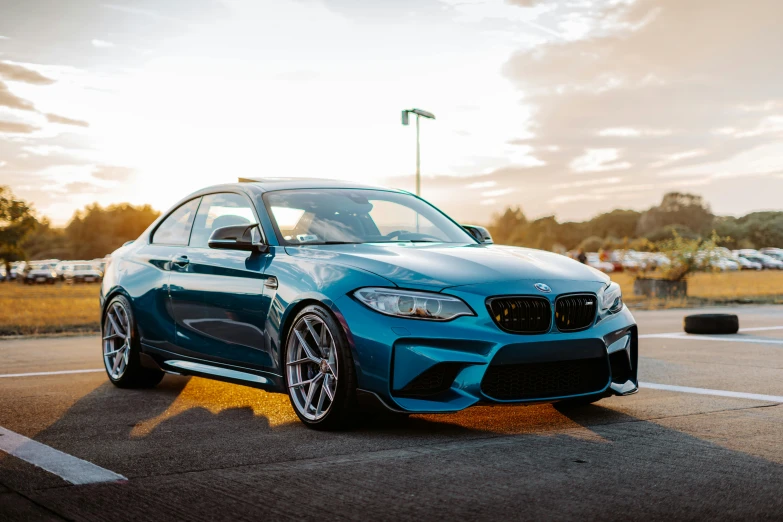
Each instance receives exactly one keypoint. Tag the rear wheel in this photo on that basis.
(319, 370)
(121, 348)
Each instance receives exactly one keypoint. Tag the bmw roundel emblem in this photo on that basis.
(541, 287)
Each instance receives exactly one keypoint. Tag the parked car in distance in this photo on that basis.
(757, 257)
(775, 253)
(39, 273)
(82, 273)
(594, 260)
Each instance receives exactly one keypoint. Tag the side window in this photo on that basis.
(221, 210)
(175, 229)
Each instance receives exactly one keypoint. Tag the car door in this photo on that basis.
(148, 278)
(217, 296)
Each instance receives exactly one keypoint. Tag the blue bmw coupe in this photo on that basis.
(349, 297)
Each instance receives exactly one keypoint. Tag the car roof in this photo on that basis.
(272, 184)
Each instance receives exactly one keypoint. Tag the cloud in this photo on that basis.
(12, 101)
(17, 73)
(112, 173)
(80, 187)
(599, 160)
(16, 128)
(102, 44)
(657, 83)
(54, 118)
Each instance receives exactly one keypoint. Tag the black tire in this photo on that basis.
(135, 375)
(711, 324)
(342, 413)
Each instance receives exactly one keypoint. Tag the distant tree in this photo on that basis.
(542, 233)
(507, 228)
(763, 229)
(617, 223)
(591, 244)
(669, 231)
(687, 255)
(47, 242)
(17, 221)
(676, 208)
(97, 231)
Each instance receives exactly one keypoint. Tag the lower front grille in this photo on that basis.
(432, 381)
(545, 380)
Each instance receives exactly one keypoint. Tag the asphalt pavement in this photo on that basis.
(703, 440)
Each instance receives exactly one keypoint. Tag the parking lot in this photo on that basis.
(702, 439)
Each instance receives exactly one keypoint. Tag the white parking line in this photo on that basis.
(62, 372)
(760, 328)
(724, 338)
(693, 336)
(67, 467)
(707, 391)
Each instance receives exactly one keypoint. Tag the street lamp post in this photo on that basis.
(419, 113)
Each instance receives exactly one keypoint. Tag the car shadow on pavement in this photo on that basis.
(184, 438)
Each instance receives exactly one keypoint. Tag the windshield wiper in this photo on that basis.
(412, 241)
(332, 243)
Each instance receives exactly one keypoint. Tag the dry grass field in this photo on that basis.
(754, 286)
(48, 309)
(67, 309)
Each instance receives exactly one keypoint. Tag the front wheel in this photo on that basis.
(319, 370)
(121, 348)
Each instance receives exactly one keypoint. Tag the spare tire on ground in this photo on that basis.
(711, 324)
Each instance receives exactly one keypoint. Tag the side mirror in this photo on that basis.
(480, 233)
(236, 237)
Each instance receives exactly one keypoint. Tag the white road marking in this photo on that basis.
(706, 391)
(62, 372)
(729, 338)
(682, 334)
(67, 467)
(760, 328)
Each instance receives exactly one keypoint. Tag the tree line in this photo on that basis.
(93, 232)
(684, 215)
(96, 231)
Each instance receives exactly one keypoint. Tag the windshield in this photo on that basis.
(334, 216)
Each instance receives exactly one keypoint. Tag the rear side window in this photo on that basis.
(175, 229)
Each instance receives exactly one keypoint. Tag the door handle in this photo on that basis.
(180, 261)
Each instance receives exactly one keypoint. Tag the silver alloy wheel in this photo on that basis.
(311, 366)
(116, 340)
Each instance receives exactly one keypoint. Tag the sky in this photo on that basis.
(571, 107)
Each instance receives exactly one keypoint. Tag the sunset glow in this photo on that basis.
(536, 102)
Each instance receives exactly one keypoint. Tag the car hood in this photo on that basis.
(442, 266)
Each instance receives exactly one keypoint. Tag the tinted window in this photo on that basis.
(175, 229)
(217, 211)
(318, 216)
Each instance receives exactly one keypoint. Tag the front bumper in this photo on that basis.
(430, 367)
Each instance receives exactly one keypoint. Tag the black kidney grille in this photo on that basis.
(545, 380)
(527, 315)
(574, 312)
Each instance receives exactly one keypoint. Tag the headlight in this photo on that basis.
(612, 298)
(412, 305)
